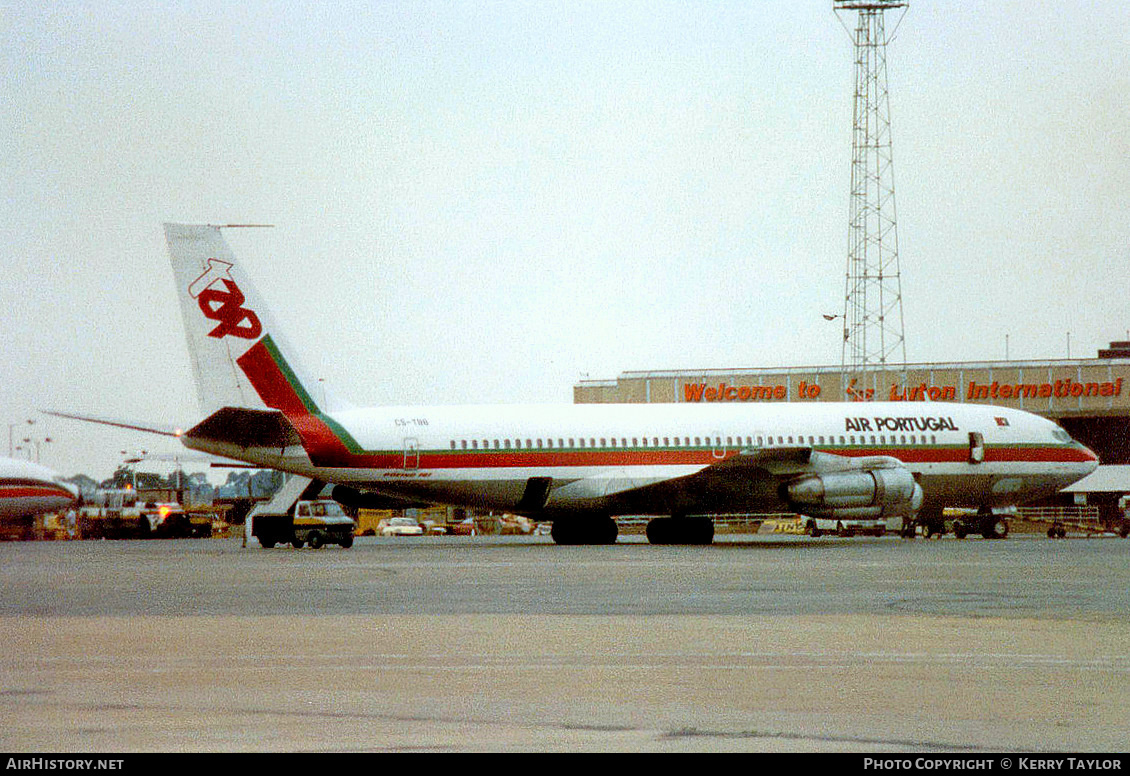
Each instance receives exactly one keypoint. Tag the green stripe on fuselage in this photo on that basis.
(308, 402)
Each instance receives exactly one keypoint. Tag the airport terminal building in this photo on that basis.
(1089, 397)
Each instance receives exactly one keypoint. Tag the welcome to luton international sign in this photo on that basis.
(974, 391)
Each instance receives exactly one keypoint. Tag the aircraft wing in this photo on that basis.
(750, 481)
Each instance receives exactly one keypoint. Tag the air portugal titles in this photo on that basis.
(900, 424)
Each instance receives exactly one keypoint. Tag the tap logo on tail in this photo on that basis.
(221, 300)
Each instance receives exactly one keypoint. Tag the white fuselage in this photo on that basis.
(28, 489)
(604, 457)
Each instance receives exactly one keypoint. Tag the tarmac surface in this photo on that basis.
(757, 643)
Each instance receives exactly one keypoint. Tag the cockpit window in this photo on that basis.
(1062, 436)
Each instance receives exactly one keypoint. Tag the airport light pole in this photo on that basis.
(11, 426)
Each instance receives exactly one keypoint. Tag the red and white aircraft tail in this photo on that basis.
(226, 321)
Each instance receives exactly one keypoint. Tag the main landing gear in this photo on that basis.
(594, 530)
(680, 530)
(660, 530)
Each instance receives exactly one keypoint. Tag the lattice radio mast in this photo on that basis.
(873, 319)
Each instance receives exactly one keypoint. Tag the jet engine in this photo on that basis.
(856, 495)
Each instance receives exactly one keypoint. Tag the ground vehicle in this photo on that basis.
(400, 526)
(516, 524)
(816, 526)
(316, 523)
(465, 527)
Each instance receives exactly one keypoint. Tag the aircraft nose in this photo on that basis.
(1092, 458)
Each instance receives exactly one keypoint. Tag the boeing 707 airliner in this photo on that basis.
(580, 466)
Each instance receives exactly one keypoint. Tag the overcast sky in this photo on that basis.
(484, 201)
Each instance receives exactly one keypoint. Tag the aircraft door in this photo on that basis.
(717, 448)
(411, 453)
(976, 447)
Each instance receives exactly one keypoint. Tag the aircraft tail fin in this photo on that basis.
(239, 357)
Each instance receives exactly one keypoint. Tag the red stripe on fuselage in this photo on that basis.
(276, 391)
(521, 459)
(270, 382)
(33, 491)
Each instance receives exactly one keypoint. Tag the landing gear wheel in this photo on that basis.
(680, 530)
(585, 531)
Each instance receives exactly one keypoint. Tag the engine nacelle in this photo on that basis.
(859, 495)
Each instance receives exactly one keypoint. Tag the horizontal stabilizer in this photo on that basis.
(149, 428)
(246, 428)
